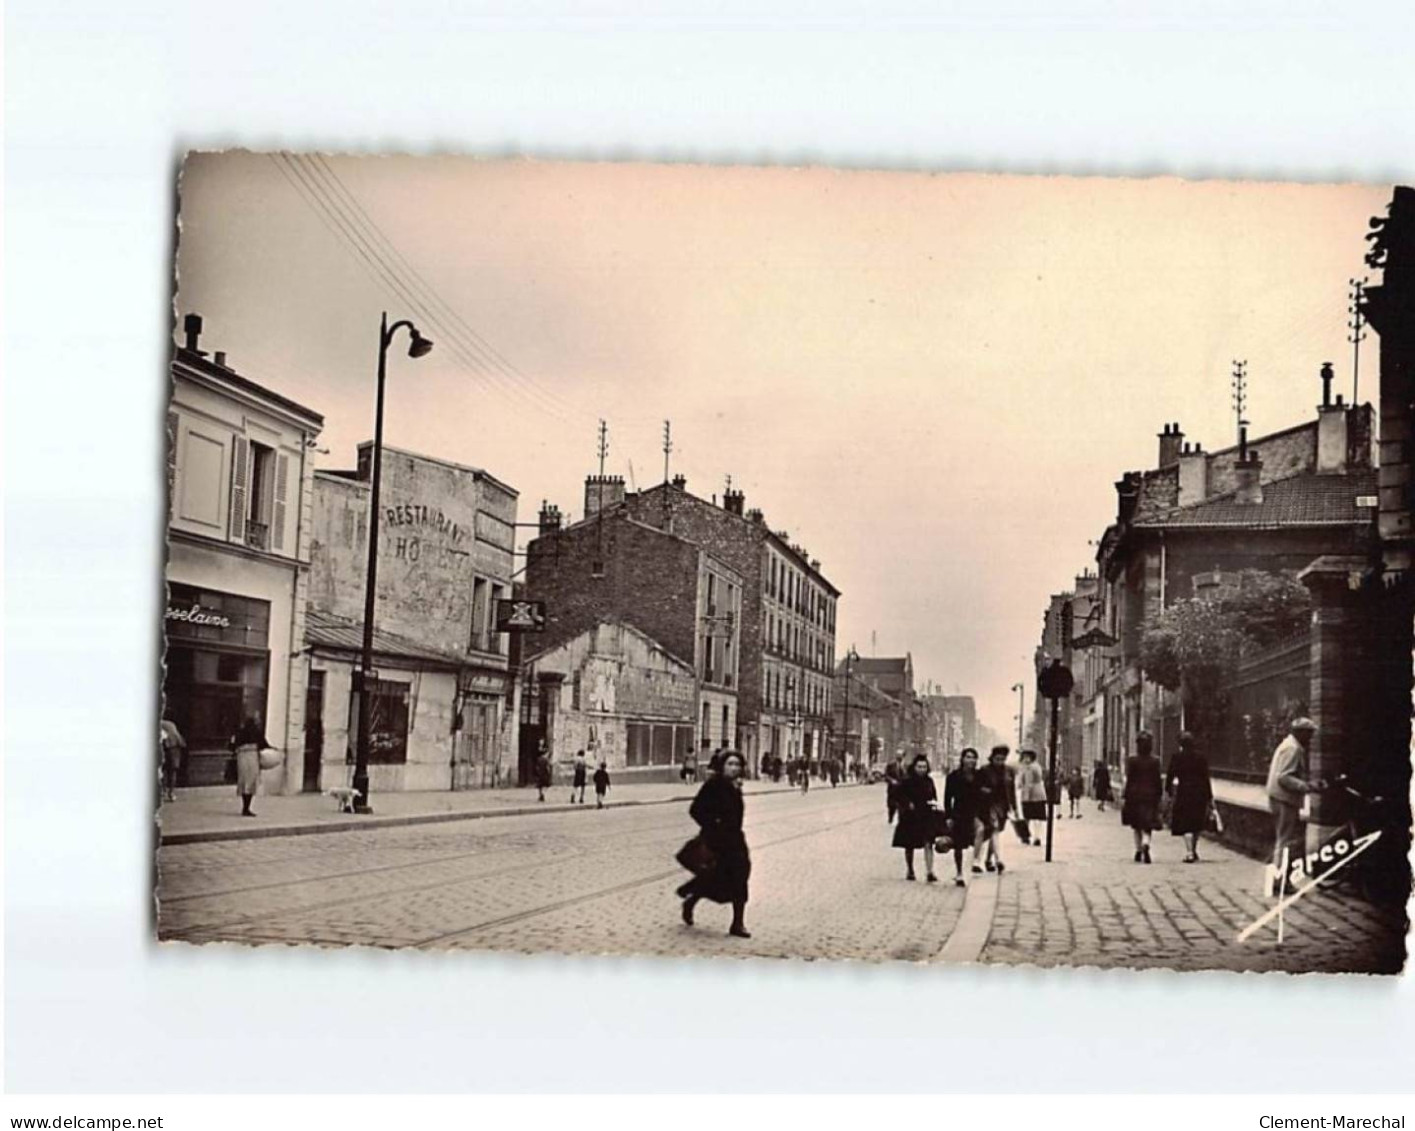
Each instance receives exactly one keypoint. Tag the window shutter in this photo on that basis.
(277, 518)
(172, 425)
(240, 477)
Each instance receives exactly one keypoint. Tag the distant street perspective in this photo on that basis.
(796, 569)
(825, 885)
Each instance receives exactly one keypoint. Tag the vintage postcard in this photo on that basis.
(721, 562)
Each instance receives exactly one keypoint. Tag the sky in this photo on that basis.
(931, 381)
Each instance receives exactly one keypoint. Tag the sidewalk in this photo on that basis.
(1093, 906)
(214, 813)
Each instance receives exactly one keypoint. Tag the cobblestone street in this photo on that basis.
(825, 885)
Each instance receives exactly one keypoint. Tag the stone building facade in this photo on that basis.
(238, 552)
(612, 568)
(446, 541)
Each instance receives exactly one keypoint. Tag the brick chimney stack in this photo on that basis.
(1171, 440)
(607, 490)
(1249, 473)
(1331, 429)
(681, 482)
(191, 326)
(732, 501)
(1127, 492)
(755, 515)
(549, 517)
(1193, 475)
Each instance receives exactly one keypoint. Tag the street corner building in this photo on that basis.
(238, 562)
(440, 684)
(708, 583)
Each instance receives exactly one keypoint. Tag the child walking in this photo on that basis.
(601, 785)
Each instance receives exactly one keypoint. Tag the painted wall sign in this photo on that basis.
(420, 514)
(198, 614)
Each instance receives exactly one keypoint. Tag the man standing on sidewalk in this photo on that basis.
(1288, 786)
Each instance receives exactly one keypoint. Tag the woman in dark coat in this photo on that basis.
(1188, 783)
(960, 803)
(917, 801)
(1144, 789)
(718, 811)
(997, 802)
(1100, 783)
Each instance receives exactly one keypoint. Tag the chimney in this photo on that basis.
(1331, 429)
(220, 358)
(1127, 496)
(755, 515)
(1193, 475)
(1170, 440)
(191, 324)
(1249, 473)
(732, 501)
(606, 490)
(549, 518)
(681, 482)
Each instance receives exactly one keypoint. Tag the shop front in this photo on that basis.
(217, 673)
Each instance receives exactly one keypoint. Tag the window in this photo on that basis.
(259, 483)
(479, 641)
(496, 641)
(704, 741)
(725, 740)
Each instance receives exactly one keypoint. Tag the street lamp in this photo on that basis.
(1021, 700)
(417, 347)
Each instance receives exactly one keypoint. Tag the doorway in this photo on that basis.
(314, 731)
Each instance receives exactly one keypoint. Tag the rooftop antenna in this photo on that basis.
(1240, 406)
(667, 450)
(599, 527)
(1357, 326)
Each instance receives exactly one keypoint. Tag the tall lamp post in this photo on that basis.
(417, 347)
(1021, 702)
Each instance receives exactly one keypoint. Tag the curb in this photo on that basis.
(316, 828)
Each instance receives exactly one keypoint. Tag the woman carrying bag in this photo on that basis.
(249, 745)
(718, 856)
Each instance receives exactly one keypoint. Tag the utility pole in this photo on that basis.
(599, 526)
(667, 448)
(1240, 405)
(1357, 326)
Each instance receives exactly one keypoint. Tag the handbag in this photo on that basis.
(696, 856)
(230, 774)
(270, 758)
(1215, 819)
(1019, 827)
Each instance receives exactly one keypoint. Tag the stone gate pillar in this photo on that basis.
(1335, 583)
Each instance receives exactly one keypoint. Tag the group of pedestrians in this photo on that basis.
(978, 803)
(579, 777)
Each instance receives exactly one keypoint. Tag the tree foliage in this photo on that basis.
(1195, 645)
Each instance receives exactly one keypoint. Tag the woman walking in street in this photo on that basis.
(917, 799)
(580, 779)
(997, 790)
(1100, 784)
(960, 803)
(1193, 793)
(1032, 793)
(1144, 789)
(542, 771)
(1075, 791)
(718, 856)
(246, 744)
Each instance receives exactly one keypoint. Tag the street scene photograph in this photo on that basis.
(694, 561)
